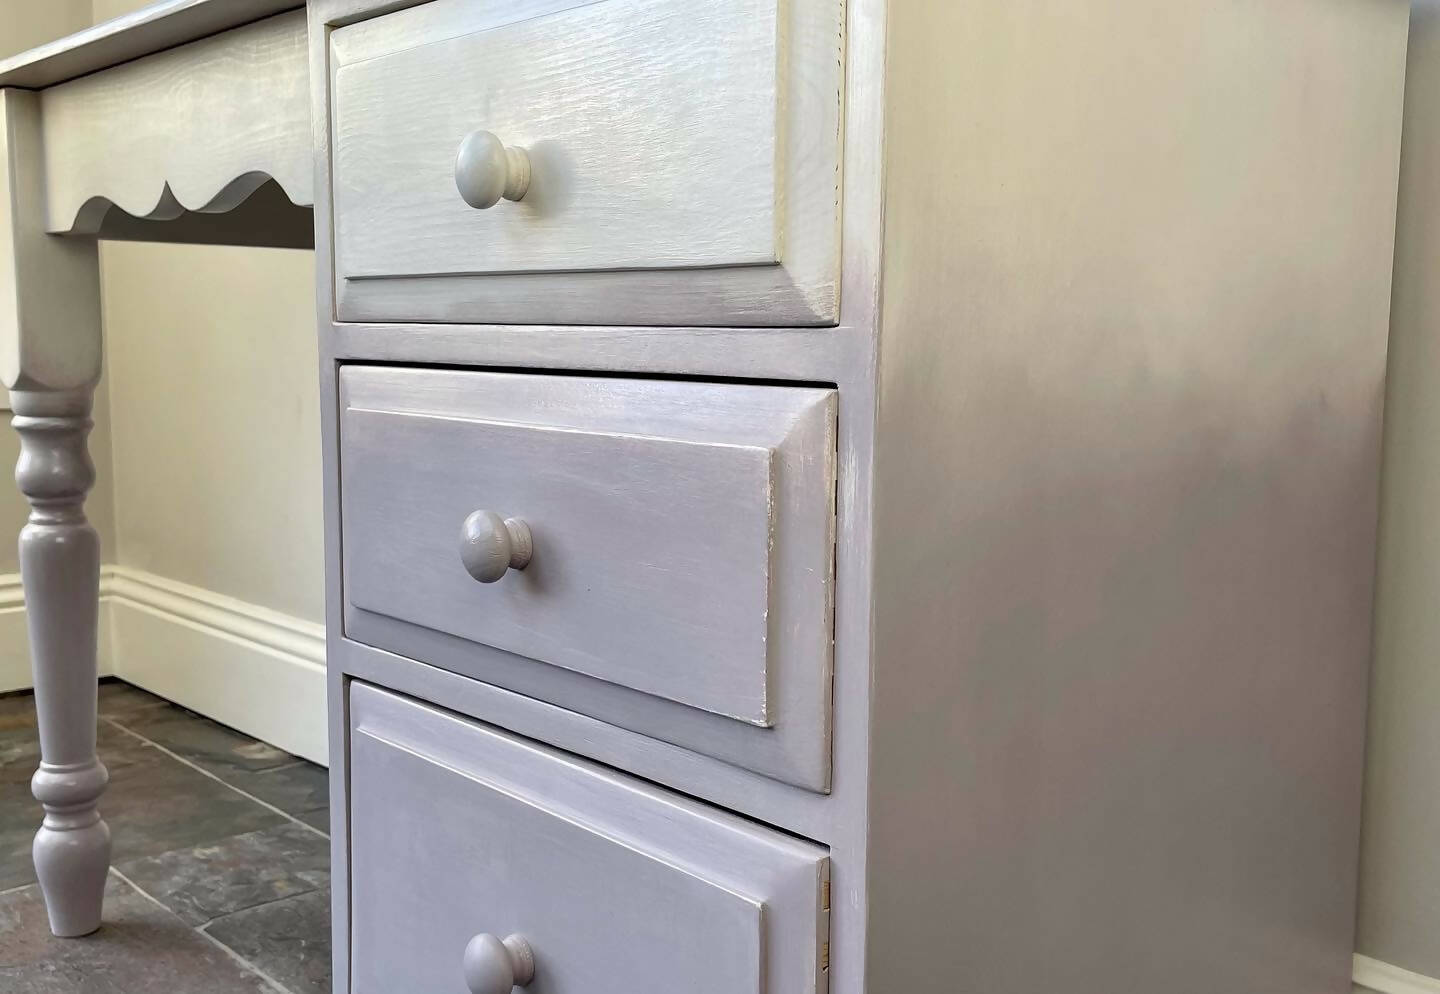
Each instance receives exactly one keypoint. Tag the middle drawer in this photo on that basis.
(680, 548)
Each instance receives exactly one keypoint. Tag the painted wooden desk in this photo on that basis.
(187, 121)
(822, 496)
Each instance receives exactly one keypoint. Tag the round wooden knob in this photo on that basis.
(496, 967)
(486, 170)
(490, 545)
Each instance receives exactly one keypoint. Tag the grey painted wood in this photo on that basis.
(1399, 921)
(641, 162)
(988, 650)
(49, 287)
(493, 965)
(683, 541)
(50, 361)
(487, 170)
(60, 567)
(266, 218)
(491, 546)
(199, 128)
(502, 837)
(152, 28)
(1126, 463)
(802, 812)
(844, 355)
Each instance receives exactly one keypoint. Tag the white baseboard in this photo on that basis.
(1389, 979)
(249, 667)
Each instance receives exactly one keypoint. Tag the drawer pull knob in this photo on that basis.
(495, 967)
(486, 170)
(490, 545)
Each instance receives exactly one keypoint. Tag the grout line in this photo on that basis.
(245, 963)
(200, 769)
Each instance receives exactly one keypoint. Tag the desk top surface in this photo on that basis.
(151, 29)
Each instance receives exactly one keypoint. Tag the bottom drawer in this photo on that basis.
(459, 831)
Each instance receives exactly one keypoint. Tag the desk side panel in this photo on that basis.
(1132, 366)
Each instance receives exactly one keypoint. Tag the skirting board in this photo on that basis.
(15, 639)
(1389, 979)
(246, 666)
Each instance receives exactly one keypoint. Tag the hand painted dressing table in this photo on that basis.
(821, 494)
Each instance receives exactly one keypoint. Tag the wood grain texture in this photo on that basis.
(683, 537)
(651, 146)
(153, 28)
(195, 128)
(501, 836)
(844, 355)
(701, 138)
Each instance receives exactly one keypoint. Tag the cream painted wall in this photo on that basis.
(215, 411)
(103, 10)
(211, 360)
(27, 23)
(1399, 920)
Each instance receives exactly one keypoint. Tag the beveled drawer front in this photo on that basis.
(462, 837)
(674, 163)
(657, 554)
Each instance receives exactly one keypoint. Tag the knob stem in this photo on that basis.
(491, 545)
(521, 544)
(522, 959)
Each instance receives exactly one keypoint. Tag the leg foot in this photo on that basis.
(72, 848)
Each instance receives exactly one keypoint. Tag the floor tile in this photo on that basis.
(160, 805)
(300, 789)
(17, 711)
(141, 949)
(119, 700)
(297, 787)
(234, 874)
(289, 940)
(116, 699)
(205, 743)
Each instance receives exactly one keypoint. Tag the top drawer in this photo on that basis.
(683, 162)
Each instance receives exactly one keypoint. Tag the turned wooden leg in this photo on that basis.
(60, 568)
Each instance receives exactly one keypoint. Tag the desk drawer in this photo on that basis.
(683, 162)
(615, 886)
(680, 539)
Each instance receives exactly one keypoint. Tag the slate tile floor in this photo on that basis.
(221, 879)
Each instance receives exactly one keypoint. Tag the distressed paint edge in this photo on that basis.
(1389, 979)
